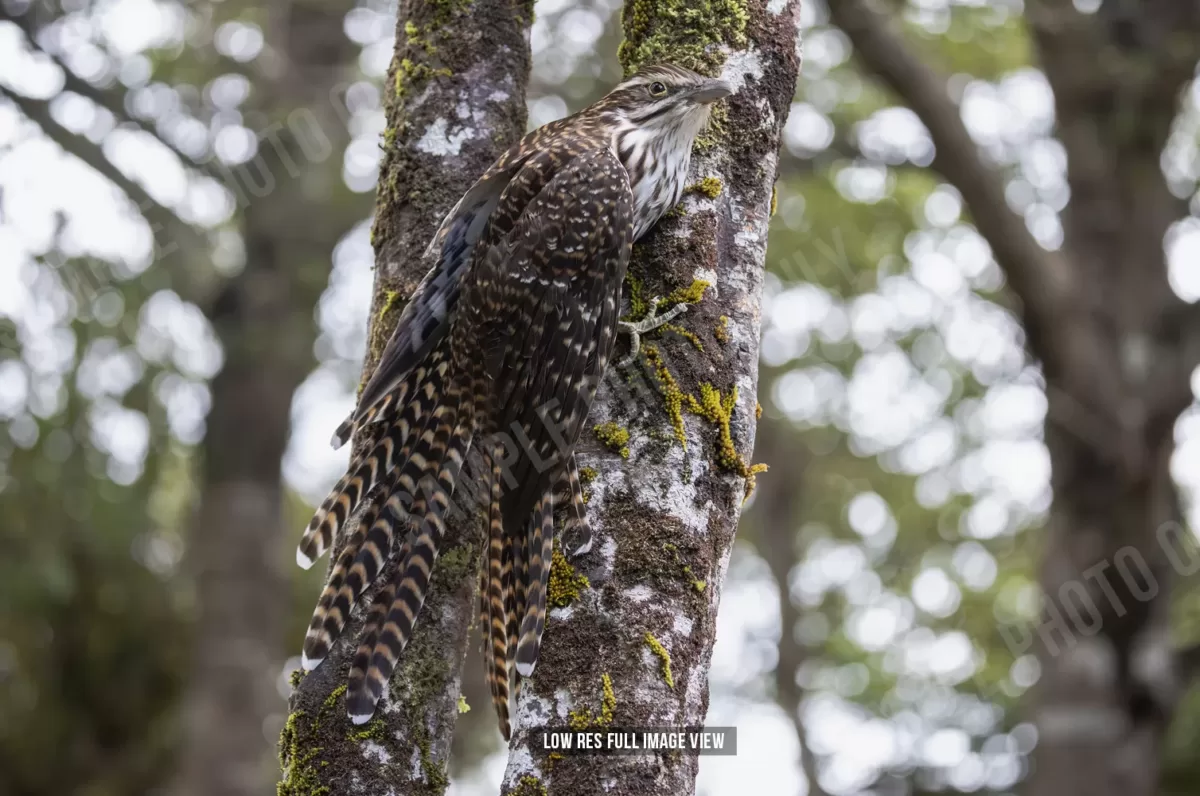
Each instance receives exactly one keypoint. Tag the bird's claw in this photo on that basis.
(635, 329)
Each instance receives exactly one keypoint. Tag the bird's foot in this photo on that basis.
(652, 321)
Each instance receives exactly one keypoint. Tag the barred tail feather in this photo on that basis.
(577, 531)
(440, 454)
(365, 472)
(495, 595)
(541, 547)
(375, 414)
(332, 610)
(367, 550)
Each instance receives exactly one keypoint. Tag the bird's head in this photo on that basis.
(665, 103)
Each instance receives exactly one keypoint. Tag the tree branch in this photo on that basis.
(104, 98)
(1043, 280)
(160, 218)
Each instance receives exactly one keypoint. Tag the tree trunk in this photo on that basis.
(776, 514)
(672, 437)
(291, 220)
(455, 102)
(1117, 349)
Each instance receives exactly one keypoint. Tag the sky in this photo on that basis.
(886, 405)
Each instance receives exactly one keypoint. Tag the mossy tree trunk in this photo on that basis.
(455, 102)
(671, 436)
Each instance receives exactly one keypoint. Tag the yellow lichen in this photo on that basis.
(583, 718)
(709, 186)
(528, 786)
(565, 582)
(613, 437)
(638, 306)
(673, 397)
(658, 649)
(390, 299)
(608, 702)
(774, 199)
(692, 294)
(587, 475)
(688, 574)
(757, 411)
(721, 330)
(375, 731)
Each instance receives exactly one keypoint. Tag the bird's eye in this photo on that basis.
(657, 89)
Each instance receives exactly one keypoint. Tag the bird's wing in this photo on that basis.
(429, 313)
(553, 290)
(550, 294)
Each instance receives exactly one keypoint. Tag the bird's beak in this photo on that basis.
(711, 90)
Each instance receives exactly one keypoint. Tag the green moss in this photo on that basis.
(587, 475)
(757, 411)
(456, 563)
(297, 676)
(300, 775)
(658, 649)
(565, 582)
(685, 32)
(390, 299)
(408, 74)
(376, 730)
(583, 718)
(423, 678)
(721, 330)
(613, 437)
(688, 574)
(608, 704)
(718, 410)
(528, 786)
(774, 200)
(463, 707)
(709, 186)
(692, 294)
(668, 388)
(638, 306)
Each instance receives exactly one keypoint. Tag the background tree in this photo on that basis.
(903, 401)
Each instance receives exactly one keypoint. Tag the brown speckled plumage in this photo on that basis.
(502, 345)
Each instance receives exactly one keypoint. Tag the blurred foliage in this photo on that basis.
(893, 372)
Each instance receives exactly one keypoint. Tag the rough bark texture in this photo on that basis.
(665, 503)
(1117, 348)
(456, 101)
(294, 211)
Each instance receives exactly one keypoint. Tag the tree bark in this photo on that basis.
(455, 102)
(291, 221)
(633, 649)
(1117, 349)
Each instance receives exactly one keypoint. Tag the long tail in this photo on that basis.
(576, 530)
(439, 454)
(496, 600)
(366, 471)
(541, 547)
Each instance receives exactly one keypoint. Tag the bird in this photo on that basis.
(499, 352)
